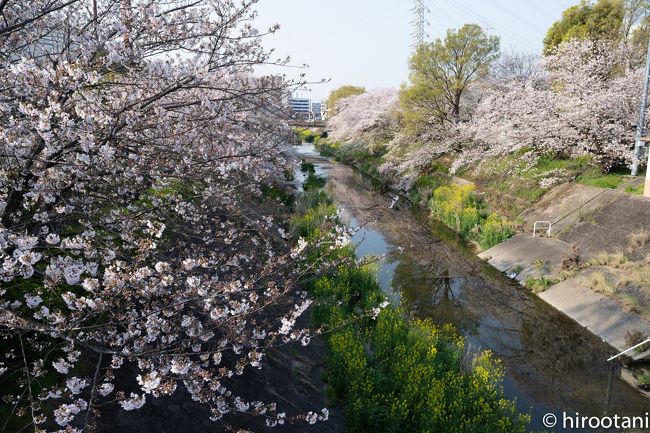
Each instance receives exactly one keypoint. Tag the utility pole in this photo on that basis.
(420, 23)
(646, 187)
(638, 144)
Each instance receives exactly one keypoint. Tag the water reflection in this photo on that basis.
(551, 363)
(430, 292)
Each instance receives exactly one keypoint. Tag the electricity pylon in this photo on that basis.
(420, 23)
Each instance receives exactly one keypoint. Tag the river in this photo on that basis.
(552, 364)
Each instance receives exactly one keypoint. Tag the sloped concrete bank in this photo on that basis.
(591, 224)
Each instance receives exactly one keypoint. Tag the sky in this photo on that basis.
(368, 42)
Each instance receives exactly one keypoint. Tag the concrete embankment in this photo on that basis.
(585, 223)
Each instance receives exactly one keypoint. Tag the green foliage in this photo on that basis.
(644, 378)
(311, 199)
(441, 73)
(307, 167)
(369, 164)
(308, 135)
(548, 163)
(393, 374)
(595, 177)
(512, 183)
(494, 230)
(413, 379)
(603, 19)
(278, 194)
(313, 182)
(340, 93)
(345, 292)
(428, 181)
(458, 207)
(636, 190)
(539, 284)
(327, 147)
(310, 224)
(424, 186)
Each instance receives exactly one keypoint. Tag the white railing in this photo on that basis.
(548, 230)
(628, 350)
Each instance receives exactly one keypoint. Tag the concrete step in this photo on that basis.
(523, 251)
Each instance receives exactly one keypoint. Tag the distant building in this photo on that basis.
(300, 108)
(306, 109)
(317, 111)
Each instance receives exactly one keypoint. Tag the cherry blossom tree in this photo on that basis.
(586, 104)
(361, 113)
(135, 138)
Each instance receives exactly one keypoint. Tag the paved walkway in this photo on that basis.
(597, 313)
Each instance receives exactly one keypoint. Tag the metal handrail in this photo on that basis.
(627, 350)
(548, 231)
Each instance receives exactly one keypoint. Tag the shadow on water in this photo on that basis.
(551, 363)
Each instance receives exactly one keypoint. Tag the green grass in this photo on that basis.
(636, 190)
(539, 284)
(547, 163)
(511, 184)
(607, 181)
(644, 378)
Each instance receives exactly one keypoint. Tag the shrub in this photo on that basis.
(412, 380)
(307, 135)
(307, 167)
(327, 147)
(313, 182)
(538, 284)
(458, 207)
(310, 224)
(278, 194)
(311, 199)
(494, 230)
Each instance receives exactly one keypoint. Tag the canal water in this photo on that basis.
(552, 364)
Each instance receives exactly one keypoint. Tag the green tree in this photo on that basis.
(340, 93)
(441, 73)
(636, 30)
(600, 20)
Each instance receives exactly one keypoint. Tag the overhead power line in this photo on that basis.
(485, 21)
(509, 12)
